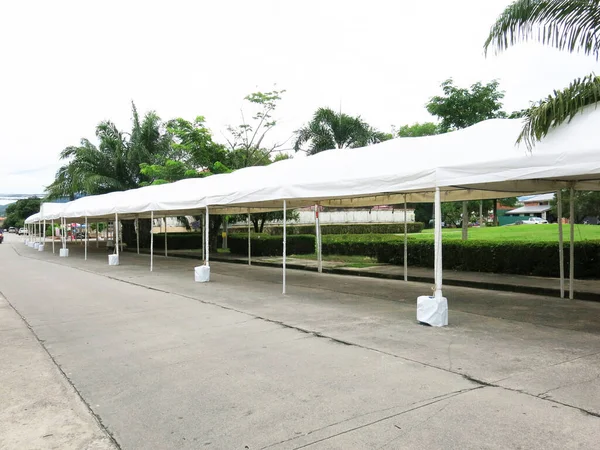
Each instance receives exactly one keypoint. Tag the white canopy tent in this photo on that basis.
(480, 162)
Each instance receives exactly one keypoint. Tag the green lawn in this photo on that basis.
(347, 260)
(529, 233)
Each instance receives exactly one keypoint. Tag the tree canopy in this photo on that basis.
(418, 130)
(462, 107)
(17, 212)
(330, 130)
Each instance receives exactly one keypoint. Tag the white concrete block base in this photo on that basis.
(27, 242)
(41, 248)
(113, 260)
(432, 311)
(63, 253)
(36, 245)
(202, 274)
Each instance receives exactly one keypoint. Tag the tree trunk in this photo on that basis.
(129, 237)
(214, 227)
(496, 212)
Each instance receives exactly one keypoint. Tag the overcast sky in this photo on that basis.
(67, 65)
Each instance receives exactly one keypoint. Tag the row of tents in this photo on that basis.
(480, 162)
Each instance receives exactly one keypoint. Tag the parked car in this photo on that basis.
(1, 237)
(23, 231)
(534, 221)
(12, 230)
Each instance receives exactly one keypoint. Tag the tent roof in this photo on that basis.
(479, 162)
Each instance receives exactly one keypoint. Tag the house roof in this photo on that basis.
(540, 198)
(530, 209)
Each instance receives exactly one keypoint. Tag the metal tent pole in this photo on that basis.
(284, 242)
(481, 213)
(438, 244)
(137, 234)
(465, 221)
(165, 220)
(151, 241)
(318, 236)
(249, 242)
(52, 226)
(207, 244)
(86, 238)
(202, 235)
(405, 241)
(97, 235)
(116, 231)
(572, 245)
(561, 246)
(44, 233)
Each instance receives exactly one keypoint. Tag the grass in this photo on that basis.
(347, 261)
(522, 233)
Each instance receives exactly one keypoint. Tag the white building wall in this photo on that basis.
(357, 216)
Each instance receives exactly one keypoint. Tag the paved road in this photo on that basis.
(338, 363)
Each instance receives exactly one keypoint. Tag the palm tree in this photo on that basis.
(328, 130)
(113, 165)
(571, 25)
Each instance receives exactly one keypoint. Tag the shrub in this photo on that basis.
(267, 245)
(350, 228)
(521, 258)
(178, 241)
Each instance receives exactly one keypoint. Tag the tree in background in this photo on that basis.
(418, 130)
(246, 142)
(566, 25)
(461, 107)
(330, 130)
(113, 165)
(587, 204)
(17, 212)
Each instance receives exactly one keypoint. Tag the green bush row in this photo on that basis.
(351, 228)
(267, 245)
(178, 241)
(520, 258)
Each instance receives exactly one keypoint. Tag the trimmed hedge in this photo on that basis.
(351, 228)
(178, 241)
(267, 245)
(520, 258)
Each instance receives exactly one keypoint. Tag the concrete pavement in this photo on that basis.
(39, 409)
(337, 363)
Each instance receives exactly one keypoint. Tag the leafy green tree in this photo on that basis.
(587, 204)
(566, 25)
(114, 164)
(17, 212)
(329, 130)
(246, 142)
(418, 130)
(462, 107)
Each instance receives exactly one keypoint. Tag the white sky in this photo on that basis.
(67, 65)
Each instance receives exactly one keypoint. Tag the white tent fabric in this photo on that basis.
(479, 162)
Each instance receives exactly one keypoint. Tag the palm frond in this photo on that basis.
(571, 25)
(559, 107)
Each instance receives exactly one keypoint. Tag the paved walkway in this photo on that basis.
(39, 409)
(338, 363)
(584, 289)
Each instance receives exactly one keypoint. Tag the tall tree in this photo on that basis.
(571, 25)
(246, 141)
(463, 107)
(330, 130)
(114, 164)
